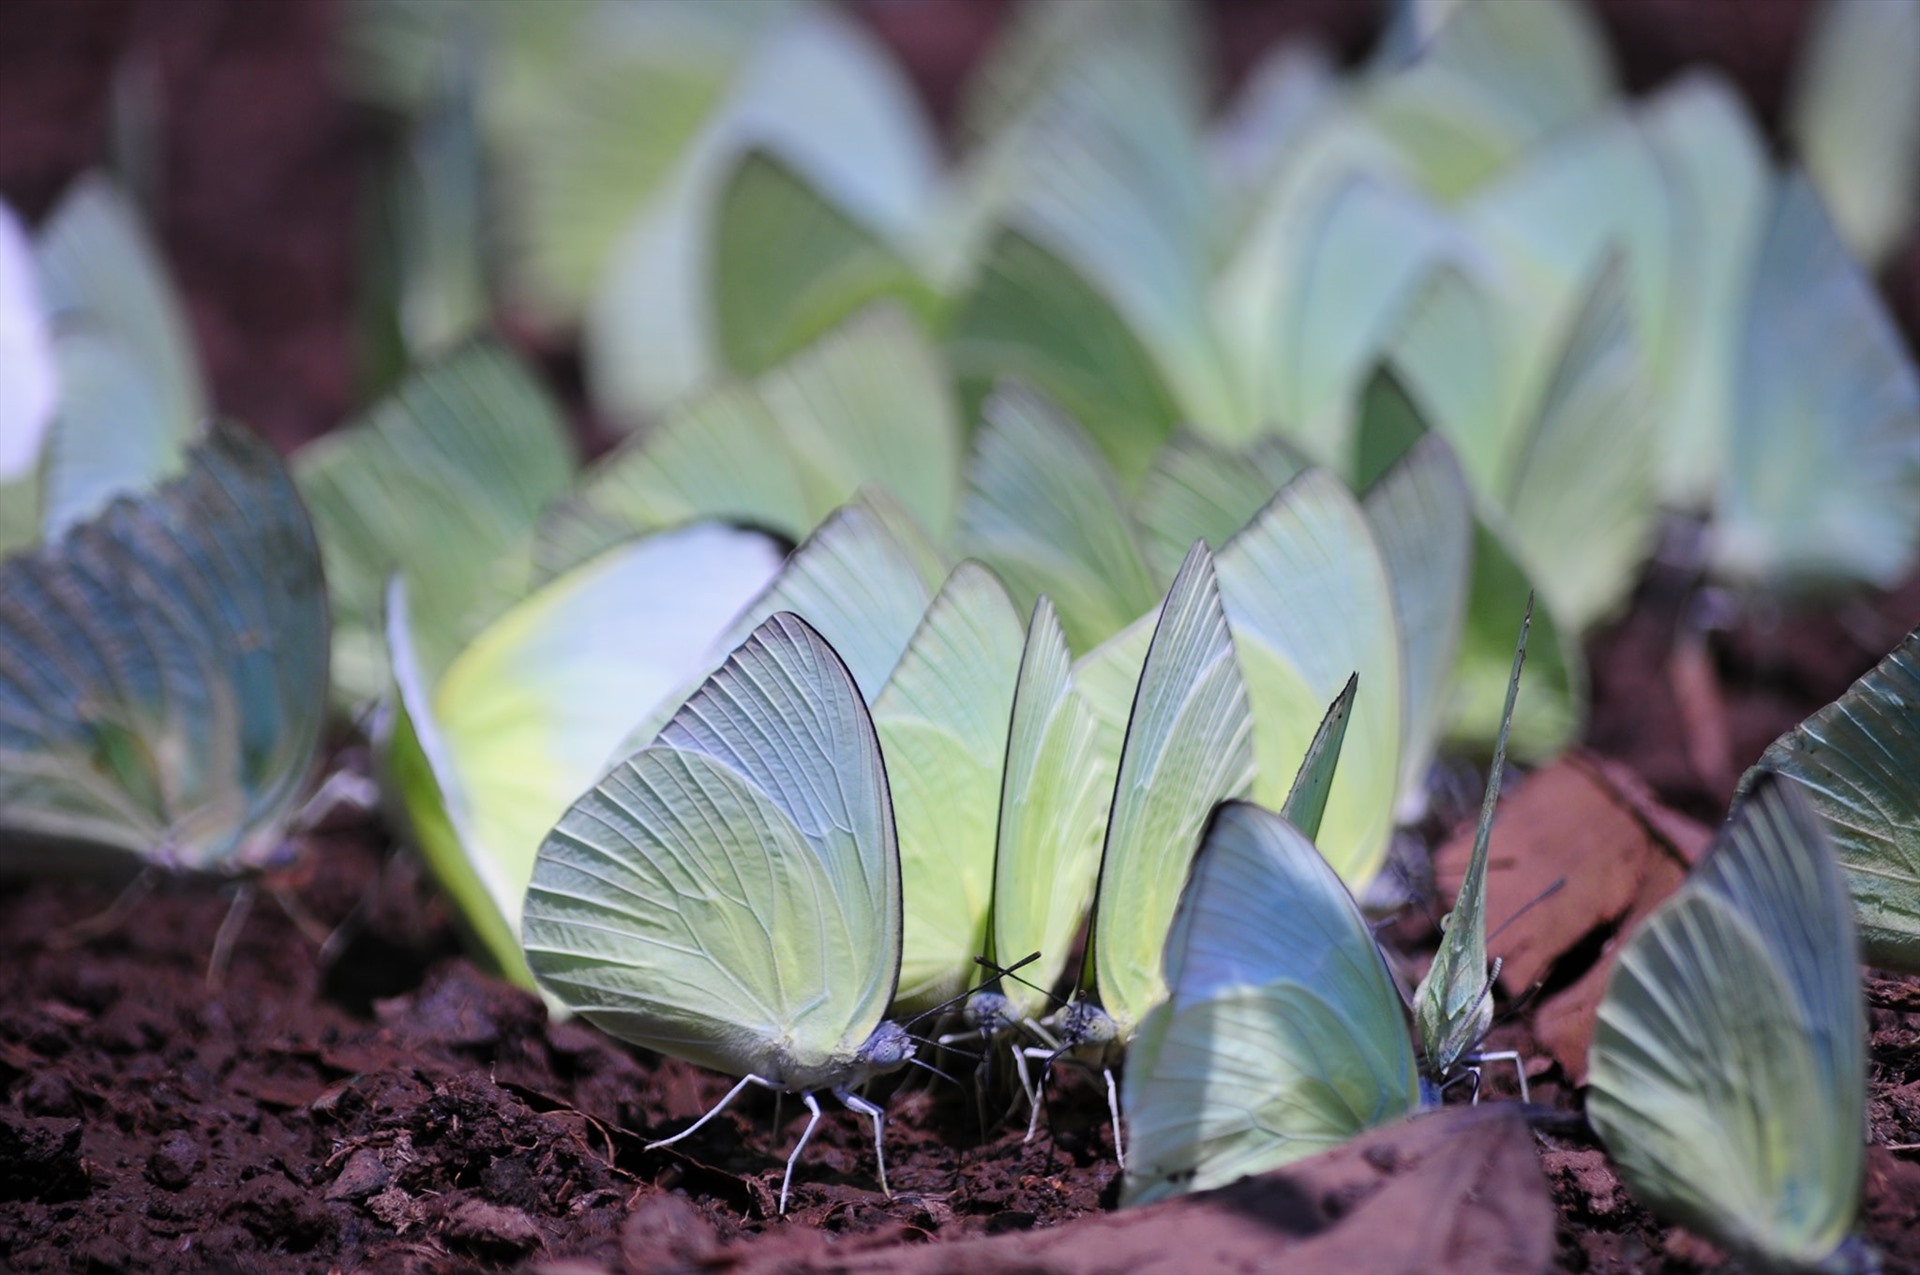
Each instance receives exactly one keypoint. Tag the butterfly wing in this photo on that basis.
(1189, 745)
(943, 720)
(731, 893)
(1727, 1070)
(1313, 541)
(856, 580)
(1854, 762)
(1045, 511)
(163, 668)
(1453, 1005)
(1421, 513)
(526, 716)
(1052, 812)
(1823, 467)
(1283, 1033)
(1854, 119)
(445, 481)
(131, 398)
(32, 391)
(1197, 490)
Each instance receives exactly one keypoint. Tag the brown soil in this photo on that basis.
(378, 1103)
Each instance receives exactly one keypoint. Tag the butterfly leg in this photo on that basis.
(1519, 1068)
(806, 1135)
(124, 905)
(1113, 1108)
(717, 1109)
(343, 788)
(227, 935)
(1026, 1078)
(855, 1103)
(1038, 1090)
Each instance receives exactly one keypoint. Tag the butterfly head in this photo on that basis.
(1083, 1028)
(888, 1049)
(990, 1012)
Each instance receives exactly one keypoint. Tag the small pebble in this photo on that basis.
(363, 1174)
(175, 1162)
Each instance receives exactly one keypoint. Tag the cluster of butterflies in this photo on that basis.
(821, 786)
(732, 892)
(1608, 305)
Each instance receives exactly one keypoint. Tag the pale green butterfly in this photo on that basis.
(1483, 82)
(1854, 762)
(426, 275)
(1092, 285)
(32, 388)
(1720, 179)
(1046, 851)
(131, 397)
(445, 482)
(789, 265)
(584, 112)
(1419, 515)
(1727, 1073)
(486, 756)
(815, 90)
(867, 406)
(1854, 119)
(163, 672)
(1052, 815)
(730, 894)
(1045, 511)
(1312, 296)
(863, 580)
(1453, 1005)
(1188, 746)
(1823, 469)
(943, 719)
(1284, 1032)
(1313, 540)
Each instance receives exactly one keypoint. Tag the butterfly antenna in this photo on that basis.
(1415, 896)
(1526, 907)
(942, 1042)
(1007, 971)
(951, 1001)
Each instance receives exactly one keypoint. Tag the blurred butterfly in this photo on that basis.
(163, 672)
(1853, 762)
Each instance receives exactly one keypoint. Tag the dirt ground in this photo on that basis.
(356, 1095)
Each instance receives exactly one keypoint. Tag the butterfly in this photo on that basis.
(163, 671)
(1284, 1031)
(1188, 745)
(730, 894)
(1727, 1072)
(1851, 761)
